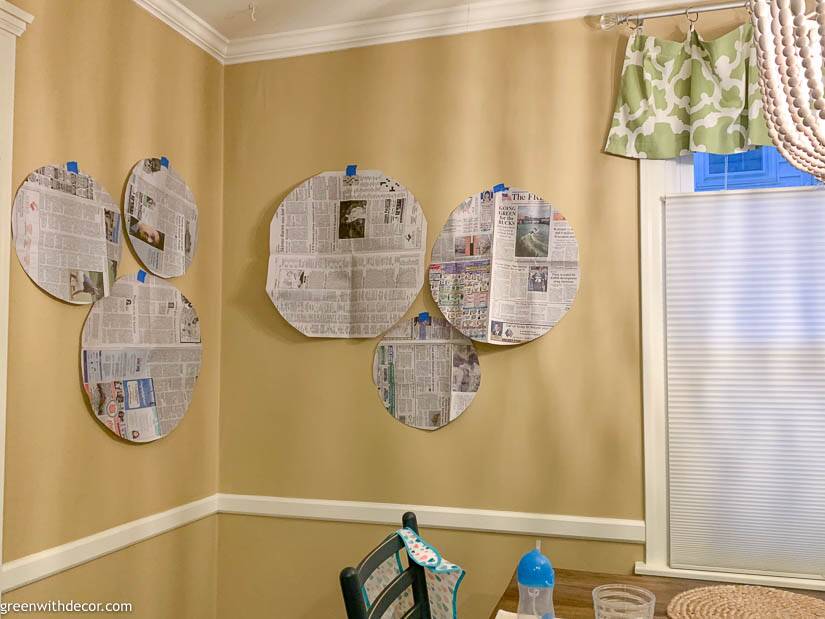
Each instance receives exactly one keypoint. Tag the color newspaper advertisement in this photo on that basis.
(505, 267)
(140, 357)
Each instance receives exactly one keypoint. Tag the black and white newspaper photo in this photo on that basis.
(346, 254)
(67, 234)
(161, 218)
(140, 357)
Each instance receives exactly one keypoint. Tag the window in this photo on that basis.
(745, 350)
(733, 304)
(759, 168)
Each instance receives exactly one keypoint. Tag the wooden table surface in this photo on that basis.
(573, 592)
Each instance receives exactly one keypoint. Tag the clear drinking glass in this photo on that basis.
(623, 602)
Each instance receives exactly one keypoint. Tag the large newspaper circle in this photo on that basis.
(426, 372)
(140, 357)
(161, 217)
(346, 254)
(66, 231)
(505, 267)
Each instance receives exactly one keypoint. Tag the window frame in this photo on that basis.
(658, 178)
(13, 22)
(767, 172)
(775, 172)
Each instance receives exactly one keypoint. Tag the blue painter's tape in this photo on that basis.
(351, 169)
(164, 161)
(141, 276)
(423, 322)
(71, 166)
(499, 188)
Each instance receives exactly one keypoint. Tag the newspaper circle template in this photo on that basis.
(67, 236)
(140, 357)
(427, 373)
(346, 254)
(505, 268)
(161, 217)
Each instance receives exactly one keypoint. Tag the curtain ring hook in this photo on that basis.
(691, 22)
(636, 24)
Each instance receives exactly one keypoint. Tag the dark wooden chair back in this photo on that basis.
(353, 579)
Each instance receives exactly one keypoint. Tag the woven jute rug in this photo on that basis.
(744, 602)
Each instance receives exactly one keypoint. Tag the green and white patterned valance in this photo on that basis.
(696, 95)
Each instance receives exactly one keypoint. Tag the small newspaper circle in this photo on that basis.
(161, 217)
(426, 372)
(140, 357)
(346, 254)
(67, 233)
(505, 267)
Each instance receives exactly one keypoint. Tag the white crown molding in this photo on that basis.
(13, 19)
(187, 23)
(464, 519)
(439, 22)
(51, 561)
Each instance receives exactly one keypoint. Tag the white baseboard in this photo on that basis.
(51, 561)
(31, 568)
(465, 519)
(746, 579)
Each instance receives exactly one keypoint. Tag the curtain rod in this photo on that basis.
(611, 20)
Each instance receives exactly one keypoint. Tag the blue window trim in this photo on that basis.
(774, 171)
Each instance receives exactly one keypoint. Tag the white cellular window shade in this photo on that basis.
(744, 275)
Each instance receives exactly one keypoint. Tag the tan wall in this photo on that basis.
(556, 426)
(104, 83)
(288, 569)
(172, 576)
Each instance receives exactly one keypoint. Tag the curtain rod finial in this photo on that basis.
(608, 21)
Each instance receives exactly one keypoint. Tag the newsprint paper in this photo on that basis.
(67, 234)
(426, 372)
(346, 254)
(161, 218)
(505, 267)
(140, 357)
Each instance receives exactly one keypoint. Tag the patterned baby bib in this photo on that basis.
(443, 579)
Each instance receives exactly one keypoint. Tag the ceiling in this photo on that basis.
(282, 28)
(232, 17)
